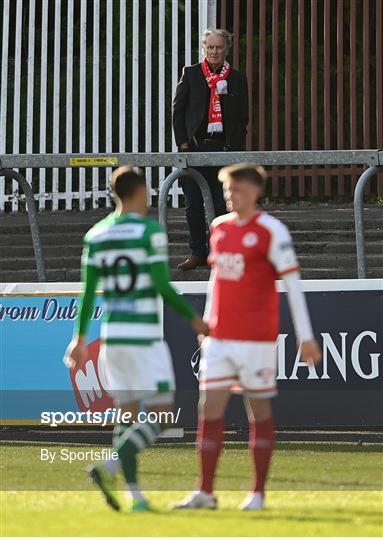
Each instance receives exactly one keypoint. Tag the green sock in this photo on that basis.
(132, 441)
(118, 430)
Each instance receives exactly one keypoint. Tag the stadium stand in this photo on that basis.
(324, 235)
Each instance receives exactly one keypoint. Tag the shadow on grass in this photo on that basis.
(271, 514)
(331, 447)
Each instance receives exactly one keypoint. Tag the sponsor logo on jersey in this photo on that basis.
(250, 239)
(230, 266)
(159, 242)
(121, 304)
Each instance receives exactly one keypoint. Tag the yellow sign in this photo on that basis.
(93, 161)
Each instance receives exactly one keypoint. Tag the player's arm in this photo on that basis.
(209, 298)
(159, 272)
(209, 292)
(282, 255)
(298, 307)
(90, 275)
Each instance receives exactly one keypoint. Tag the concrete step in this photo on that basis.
(73, 275)
(316, 260)
(318, 247)
(324, 237)
(316, 254)
(342, 260)
(50, 263)
(176, 236)
(30, 275)
(315, 247)
(173, 228)
(20, 246)
(307, 273)
(62, 239)
(291, 219)
(305, 225)
(54, 227)
(288, 213)
(181, 249)
(338, 273)
(310, 260)
(48, 250)
(299, 235)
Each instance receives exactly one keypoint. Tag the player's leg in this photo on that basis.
(129, 440)
(125, 372)
(212, 407)
(261, 445)
(104, 473)
(110, 364)
(258, 378)
(155, 380)
(216, 377)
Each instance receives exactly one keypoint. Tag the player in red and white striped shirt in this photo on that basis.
(249, 251)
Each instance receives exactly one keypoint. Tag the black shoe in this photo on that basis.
(192, 262)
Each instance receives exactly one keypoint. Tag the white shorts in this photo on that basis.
(137, 373)
(247, 365)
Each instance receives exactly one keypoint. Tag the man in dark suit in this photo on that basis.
(210, 114)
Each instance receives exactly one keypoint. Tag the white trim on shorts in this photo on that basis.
(229, 364)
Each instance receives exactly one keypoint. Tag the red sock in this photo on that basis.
(261, 444)
(209, 445)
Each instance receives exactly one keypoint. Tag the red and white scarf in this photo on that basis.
(218, 85)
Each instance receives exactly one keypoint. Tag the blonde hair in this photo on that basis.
(244, 171)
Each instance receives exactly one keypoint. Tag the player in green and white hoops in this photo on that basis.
(128, 252)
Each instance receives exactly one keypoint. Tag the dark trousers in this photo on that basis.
(195, 214)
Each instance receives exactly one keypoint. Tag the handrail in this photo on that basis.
(358, 216)
(185, 163)
(194, 159)
(167, 184)
(33, 221)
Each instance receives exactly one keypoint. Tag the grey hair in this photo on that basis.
(218, 32)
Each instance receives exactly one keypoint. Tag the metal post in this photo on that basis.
(358, 215)
(207, 17)
(167, 184)
(33, 221)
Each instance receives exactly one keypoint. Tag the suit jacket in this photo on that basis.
(191, 99)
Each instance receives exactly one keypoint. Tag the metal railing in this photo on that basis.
(169, 181)
(194, 159)
(32, 217)
(184, 162)
(358, 216)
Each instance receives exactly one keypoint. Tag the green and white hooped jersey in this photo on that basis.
(122, 248)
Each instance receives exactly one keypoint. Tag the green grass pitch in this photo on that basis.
(314, 489)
